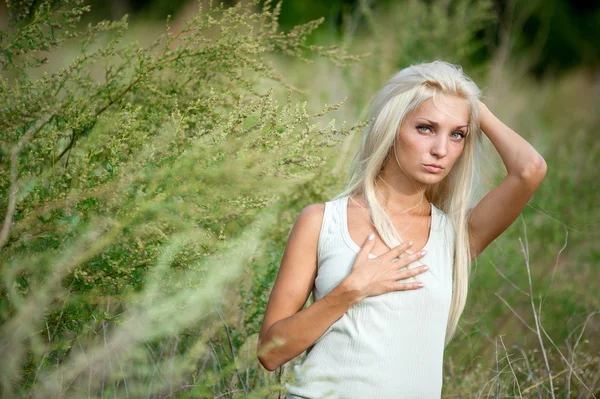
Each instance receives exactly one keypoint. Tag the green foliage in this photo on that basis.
(448, 30)
(37, 27)
(136, 182)
(557, 231)
(149, 190)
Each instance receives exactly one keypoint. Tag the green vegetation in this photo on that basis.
(147, 191)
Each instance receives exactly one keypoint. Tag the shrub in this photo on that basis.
(136, 182)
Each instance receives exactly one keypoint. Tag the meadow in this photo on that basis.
(151, 174)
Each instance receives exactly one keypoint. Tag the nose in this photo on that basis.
(440, 147)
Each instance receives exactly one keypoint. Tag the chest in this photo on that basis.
(414, 228)
(337, 252)
(336, 263)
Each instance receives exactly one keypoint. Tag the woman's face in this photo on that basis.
(431, 139)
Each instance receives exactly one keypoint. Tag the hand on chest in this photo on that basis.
(417, 228)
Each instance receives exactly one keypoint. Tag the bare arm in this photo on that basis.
(289, 337)
(525, 169)
(287, 329)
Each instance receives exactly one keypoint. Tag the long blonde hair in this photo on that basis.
(399, 96)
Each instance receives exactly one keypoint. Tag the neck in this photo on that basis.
(396, 193)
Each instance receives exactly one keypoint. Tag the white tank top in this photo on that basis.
(386, 346)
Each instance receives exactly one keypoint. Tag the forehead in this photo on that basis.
(444, 109)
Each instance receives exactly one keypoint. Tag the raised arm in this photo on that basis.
(525, 169)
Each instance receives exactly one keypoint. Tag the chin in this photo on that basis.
(430, 180)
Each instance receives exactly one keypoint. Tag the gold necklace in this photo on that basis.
(368, 215)
(393, 189)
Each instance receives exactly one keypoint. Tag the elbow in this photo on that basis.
(267, 364)
(535, 171)
(265, 359)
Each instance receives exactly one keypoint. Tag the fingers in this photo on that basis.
(406, 260)
(406, 286)
(403, 274)
(396, 251)
(365, 250)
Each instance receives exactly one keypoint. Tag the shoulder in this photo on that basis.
(307, 228)
(304, 236)
(311, 217)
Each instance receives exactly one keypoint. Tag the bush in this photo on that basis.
(138, 182)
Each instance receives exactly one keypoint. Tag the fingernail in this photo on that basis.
(371, 236)
(423, 252)
(425, 267)
(420, 285)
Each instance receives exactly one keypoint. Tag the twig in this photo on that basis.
(530, 375)
(525, 249)
(216, 357)
(497, 371)
(557, 375)
(511, 368)
(568, 377)
(237, 372)
(488, 382)
(179, 389)
(564, 359)
(568, 383)
(507, 280)
(227, 393)
(515, 313)
(14, 182)
(557, 259)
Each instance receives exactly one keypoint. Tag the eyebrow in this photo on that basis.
(435, 124)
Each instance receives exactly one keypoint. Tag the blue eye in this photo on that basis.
(424, 128)
(461, 135)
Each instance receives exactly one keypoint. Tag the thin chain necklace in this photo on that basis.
(393, 189)
(430, 220)
(368, 215)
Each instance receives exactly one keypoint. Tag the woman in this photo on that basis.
(383, 312)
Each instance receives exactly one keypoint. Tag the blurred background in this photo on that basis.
(154, 207)
(559, 34)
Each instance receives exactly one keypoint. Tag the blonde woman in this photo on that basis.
(388, 260)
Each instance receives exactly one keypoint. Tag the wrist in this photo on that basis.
(485, 116)
(347, 292)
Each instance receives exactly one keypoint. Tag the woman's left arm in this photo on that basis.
(525, 169)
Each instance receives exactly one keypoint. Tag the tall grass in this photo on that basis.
(138, 182)
(531, 323)
(142, 241)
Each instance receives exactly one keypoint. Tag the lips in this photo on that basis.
(433, 168)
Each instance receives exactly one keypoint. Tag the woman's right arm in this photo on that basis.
(287, 329)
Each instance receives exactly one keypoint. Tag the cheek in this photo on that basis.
(457, 154)
(412, 146)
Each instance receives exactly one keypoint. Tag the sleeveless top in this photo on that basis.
(385, 346)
